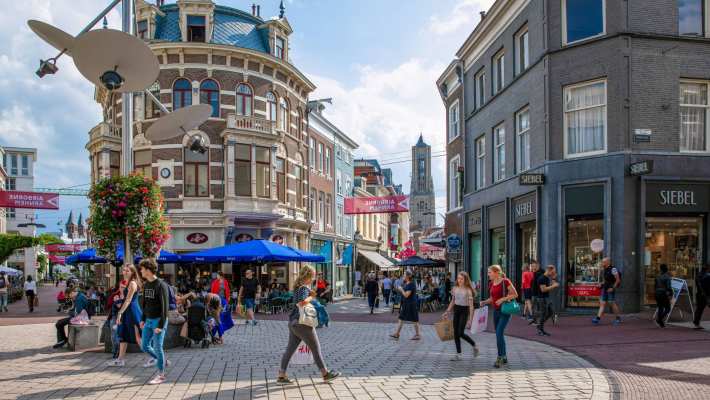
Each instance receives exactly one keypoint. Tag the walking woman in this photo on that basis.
(501, 290)
(30, 292)
(372, 288)
(129, 315)
(409, 308)
(527, 292)
(303, 295)
(463, 294)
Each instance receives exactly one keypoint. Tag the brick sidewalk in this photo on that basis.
(18, 313)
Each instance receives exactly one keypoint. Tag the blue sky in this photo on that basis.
(378, 60)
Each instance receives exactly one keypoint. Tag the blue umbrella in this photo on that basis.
(307, 256)
(251, 251)
(87, 256)
(165, 257)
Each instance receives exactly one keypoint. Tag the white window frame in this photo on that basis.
(327, 161)
(480, 92)
(706, 21)
(312, 153)
(480, 147)
(606, 118)
(564, 25)
(321, 157)
(498, 161)
(454, 121)
(339, 181)
(498, 61)
(518, 142)
(522, 61)
(454, 185)
(707, 116)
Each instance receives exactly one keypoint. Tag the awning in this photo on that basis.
(376, 258)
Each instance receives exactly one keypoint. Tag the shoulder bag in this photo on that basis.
(308, 315)
(510, 307)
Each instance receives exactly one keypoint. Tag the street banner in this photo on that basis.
(376, 205)
(34, 200)
(56, 259)
(63, 248)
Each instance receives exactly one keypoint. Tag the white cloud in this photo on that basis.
(464, 16)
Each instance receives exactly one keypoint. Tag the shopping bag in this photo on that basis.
(36, 301)
(480, 320)
(302, 356)
(226, 321)
(81, 319)
(445, 329)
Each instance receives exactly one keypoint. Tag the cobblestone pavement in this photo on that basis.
(373, 368)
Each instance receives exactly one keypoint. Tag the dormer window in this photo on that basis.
(196, 28)
(142, 29)
(279, 45)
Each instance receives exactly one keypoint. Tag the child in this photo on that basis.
(61, 298)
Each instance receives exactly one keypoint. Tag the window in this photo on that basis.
(245, 100)
(142, 160)
(321, 155)
(582, 19)
(690, 17)
(13, 164)
(279, 45)
(480, 162)
(312, 153)
(284, 117)
(339, 219)
(242, 166)
(454, 183)
(301, 187)
(25, 165)
(280, 167)
(271, 107)
(480, 99)
(196, 174)
(454, 121)
(11, 184)
(585, 119)
(321, 212)
(522, 131)
(522, 51)
(328, 213)
(312, 210)
(263, 171)
(339, 181)
(142, 29)
(209, 94)
(693, 116)
(327, 162)
(498, 71)
(11, 213)
(499, 153)
(421, 167)
(114, 163)
(152, 110)
(182, 94)
(196, 28)
(348, 187)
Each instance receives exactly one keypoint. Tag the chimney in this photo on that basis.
(483, 15)
(258, 11)
(253, 9)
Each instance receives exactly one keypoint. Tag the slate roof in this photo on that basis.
(231, 27)
(420, 142)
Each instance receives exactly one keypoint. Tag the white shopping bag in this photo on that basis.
(480, 320)
(302, 356)
(81, 319)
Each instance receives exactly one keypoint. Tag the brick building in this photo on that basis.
(585, 135)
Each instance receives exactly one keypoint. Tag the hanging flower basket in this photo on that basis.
(127, 205)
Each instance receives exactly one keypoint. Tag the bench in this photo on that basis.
(172, 339)
(83, 337)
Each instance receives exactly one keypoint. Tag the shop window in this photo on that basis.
(522, 130)
(498, 72)
(584, 273)
(480, 162)
(142, 160)
(263, 174)
(242, 166)
(693, 116)
(245, 100)
(182, 94)
(498, 255)
(209, 94)
(585, 119)
(196, 175)
(691, 17)
(196, 28)
(499, 153)
(522, 50)
(582, 19)
(281, 179)
(527, 242)
(475, 259)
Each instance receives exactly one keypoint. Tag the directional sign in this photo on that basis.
(375, 205)
(42, 201)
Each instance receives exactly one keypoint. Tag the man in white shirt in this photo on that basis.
(387, 289)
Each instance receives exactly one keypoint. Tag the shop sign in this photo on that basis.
(531, 179)
(473, 221)
(453, 242)
(376, 205)
(63, 248)
(641, 168)
(197, 238)
(583, 290)
(525, 208)
(676, 197)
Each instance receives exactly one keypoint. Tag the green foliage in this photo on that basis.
(11, 242)
(48, 238)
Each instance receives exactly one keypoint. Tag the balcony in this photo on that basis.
(251, 124)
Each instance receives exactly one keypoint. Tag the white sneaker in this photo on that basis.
(150, 363)
(117, 362)
(475, 351)
(456, 357)
(160, 378)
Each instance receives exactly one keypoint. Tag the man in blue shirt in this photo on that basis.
(81, 303)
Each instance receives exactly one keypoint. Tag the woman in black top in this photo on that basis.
(372, 289)
(663, 294)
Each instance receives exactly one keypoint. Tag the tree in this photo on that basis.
(12, 242)
(48, 238)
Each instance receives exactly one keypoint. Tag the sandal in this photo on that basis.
(283, 380)
(416, 337)
(393, 336)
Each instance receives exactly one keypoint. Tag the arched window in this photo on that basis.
(271, 107)
(182, 94)
(245, 99)
(209, 94)
(196, 174)
(284, 120)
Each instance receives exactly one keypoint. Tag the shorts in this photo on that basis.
(249, 304)
(608, 297)
(527, 294)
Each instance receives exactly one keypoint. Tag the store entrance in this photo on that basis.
(674, 241)
(526, 243)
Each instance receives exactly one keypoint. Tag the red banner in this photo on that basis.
(583, 290)
(34, 200)
(56, 259)
(63, 248)
(375, 205)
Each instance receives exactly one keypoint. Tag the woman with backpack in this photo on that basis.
(303, 296)
(501, 290)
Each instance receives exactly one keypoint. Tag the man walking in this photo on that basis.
(702, 295)
(612, 281)
(4, 283)
(663, 293)
(154, 323)
(248, 292)
(546, 283)
(387, 289)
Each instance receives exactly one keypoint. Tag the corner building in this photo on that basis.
(252, 183)
(585, 129)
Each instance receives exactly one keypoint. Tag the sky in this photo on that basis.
(378, 60)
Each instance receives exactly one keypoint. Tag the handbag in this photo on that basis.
(510, 307)
(308, 315)
(445, 329)
(36, 301)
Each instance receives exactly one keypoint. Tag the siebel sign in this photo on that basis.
(375, 205)
(33, 200)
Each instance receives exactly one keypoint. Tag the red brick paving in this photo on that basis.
(18, 313)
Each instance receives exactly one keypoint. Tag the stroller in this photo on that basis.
(197, 328)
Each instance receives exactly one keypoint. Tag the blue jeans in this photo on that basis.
(152, 343)
(115, 338)
(3, 301)
(500, 321)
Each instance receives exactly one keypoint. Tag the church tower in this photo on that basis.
(71, 227)
(422, 212)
